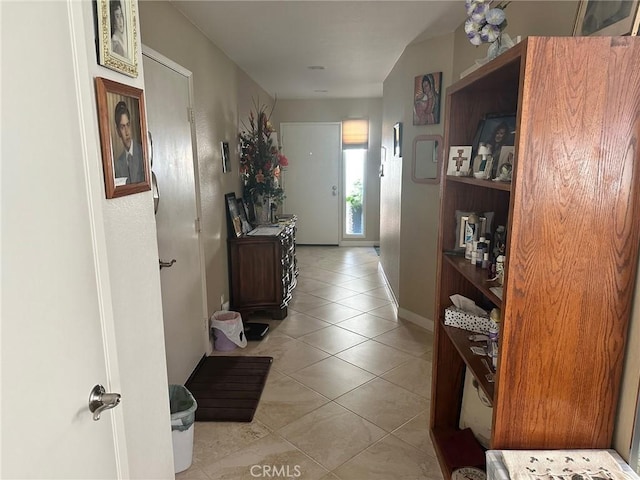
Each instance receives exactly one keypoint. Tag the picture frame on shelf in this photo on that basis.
(117, 22)
(483, 166)
(504, 169)
(486, 222)
(244, 221)
(397, 140)
(607, 18)
(122, 125)
(459, 161)
(495, 130)
(234, 224)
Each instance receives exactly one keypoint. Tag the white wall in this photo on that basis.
(222, 98)
(124, 228)
(419, 203)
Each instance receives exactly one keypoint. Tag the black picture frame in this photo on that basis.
(224, 147)
(234, 224)
(244, 221)
(397, 139)
(488, 129)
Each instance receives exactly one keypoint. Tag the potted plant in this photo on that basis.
(354, 200)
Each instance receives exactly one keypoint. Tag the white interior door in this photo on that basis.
(312, 180)
(57, 327)
(168, 104)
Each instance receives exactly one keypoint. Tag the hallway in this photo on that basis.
(348, 393)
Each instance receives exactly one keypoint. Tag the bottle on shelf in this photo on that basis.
(470, 234)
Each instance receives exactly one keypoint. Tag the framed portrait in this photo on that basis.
(224, 146)
(459, 161)
(123, 127)
(397, 140)
(505, 164)
(244, 222)
(234, 223)
(426, 99)
(118, 35)
(607, 18)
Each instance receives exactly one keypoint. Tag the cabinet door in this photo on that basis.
(256, 273)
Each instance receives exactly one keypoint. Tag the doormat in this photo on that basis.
(228, 389)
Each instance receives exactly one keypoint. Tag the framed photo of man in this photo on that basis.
(118, 35)
(121, 119)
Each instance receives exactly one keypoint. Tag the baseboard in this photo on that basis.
(357, 243)
(386, 281)
(416, 319)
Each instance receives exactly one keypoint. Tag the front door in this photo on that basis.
(57, 325)
(168, 107)
(312, 180)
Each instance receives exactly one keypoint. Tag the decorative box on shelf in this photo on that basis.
(454, 317)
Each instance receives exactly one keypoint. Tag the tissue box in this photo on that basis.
(455, 317)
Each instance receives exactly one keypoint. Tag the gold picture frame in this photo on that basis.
(122, 121)
(118, 35)
(607, 18)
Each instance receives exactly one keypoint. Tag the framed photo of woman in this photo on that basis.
(426, 99)
(118, 35)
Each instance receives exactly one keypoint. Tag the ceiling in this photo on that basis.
(357, 42)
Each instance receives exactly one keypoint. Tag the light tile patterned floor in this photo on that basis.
(347, 396)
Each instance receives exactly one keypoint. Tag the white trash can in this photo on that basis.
(228, 331)
(183, 413)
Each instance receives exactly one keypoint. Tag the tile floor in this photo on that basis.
(347, 396)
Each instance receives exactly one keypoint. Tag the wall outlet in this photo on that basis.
(225, 306)
(222, 302)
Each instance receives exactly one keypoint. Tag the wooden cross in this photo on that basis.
(459, 160)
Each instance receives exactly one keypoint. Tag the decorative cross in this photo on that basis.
(459, 160)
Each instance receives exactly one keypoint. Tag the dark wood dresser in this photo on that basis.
(263, 270)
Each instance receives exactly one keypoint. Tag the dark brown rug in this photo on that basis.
(228, 389)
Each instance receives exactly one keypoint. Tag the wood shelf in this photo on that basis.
(563, 326)
(457, 448)
(504, 186)
(460, 338)
(477, 276)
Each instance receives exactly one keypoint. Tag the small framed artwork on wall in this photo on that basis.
(225, 157)
(118, 35)
(459, 161)
(426, 99)
(607, 18)
(397, 140)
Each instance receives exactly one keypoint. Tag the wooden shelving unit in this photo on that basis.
(572, 246)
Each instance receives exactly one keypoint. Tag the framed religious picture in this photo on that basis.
(118, 35)
(426, 98)
(459, 161)
(607, 18)
(123, 127)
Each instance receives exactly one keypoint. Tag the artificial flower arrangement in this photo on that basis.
(485, 23)
(261, 159)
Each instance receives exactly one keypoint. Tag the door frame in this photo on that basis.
(158, 57)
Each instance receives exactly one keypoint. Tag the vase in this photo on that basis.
(263, 210)
(501, 45)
